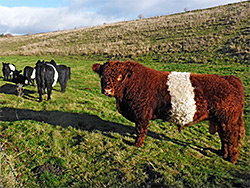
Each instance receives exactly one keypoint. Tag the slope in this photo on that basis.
(193, 37)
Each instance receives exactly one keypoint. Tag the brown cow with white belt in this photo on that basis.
(143, 94)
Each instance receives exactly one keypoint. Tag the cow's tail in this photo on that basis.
(43, 76)
(241, 129)
(236, 82)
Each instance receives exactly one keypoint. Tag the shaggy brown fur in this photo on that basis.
(142, 95)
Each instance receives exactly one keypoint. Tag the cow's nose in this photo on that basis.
(109, 92)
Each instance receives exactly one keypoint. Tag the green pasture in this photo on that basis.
(78, 139)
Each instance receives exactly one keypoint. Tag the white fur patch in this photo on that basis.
(12, 67)
(33, 75)
(55, 75)
(182, 98)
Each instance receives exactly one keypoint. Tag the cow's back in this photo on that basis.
(217, 95)
(215, 86)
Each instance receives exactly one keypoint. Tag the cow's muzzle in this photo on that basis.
(109, 92)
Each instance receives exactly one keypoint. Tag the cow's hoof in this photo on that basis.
(139, 144)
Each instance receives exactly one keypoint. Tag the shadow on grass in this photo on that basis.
(11, 89)
(64, 119)
(89, 123)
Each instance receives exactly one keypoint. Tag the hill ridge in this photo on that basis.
(220, 30)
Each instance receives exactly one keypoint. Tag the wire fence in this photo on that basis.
(12, 169)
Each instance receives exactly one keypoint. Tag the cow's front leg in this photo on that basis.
(141, 130)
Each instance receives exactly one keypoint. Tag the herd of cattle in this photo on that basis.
(46, 74)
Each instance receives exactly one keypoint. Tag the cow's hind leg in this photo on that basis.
(241, 129)
(236, 134)
(63, 84)
(224, 142)
(233, 145)
(233, 151)
(49, 91)
(62, 87)
(141, 130)
(40, 95)
(229, 140)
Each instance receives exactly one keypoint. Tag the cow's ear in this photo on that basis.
(97, 68)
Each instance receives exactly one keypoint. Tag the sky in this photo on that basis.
(20, 17)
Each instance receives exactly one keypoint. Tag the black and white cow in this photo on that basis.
(8, 70)
(29, 74)
(46, 77)
(63, 74)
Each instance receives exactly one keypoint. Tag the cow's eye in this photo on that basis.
(119, 78)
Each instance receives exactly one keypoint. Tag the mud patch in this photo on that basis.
(47, 167)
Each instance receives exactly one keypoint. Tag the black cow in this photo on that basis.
(18, 78)
(46, 77)
(29, 75)
(64, 74)
(8, 70)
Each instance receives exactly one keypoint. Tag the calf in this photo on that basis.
(18, 78)
(143, 94)
(29, 74)
(46, 77)
(8, 70)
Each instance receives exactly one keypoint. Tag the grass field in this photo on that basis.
(78, 139)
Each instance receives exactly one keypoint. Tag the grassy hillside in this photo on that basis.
(200, 36)
(78, 139)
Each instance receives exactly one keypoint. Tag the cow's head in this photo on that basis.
(39, 63)
(114, 76)
(16, 74)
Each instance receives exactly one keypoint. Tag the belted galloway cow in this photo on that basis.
(64, 73)
(143, 94)
(8, 70)
(29, 74)
(46, 77)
